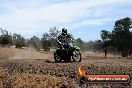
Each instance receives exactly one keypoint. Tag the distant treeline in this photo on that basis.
(47, 42)
(118, 40)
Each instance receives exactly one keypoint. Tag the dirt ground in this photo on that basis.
(30, 54)
(32, 69)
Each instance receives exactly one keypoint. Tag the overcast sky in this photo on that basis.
(83, 18)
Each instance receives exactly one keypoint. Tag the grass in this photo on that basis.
(6, 53)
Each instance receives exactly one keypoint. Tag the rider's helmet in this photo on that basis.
(64, 31)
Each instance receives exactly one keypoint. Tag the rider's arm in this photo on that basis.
(59, 39)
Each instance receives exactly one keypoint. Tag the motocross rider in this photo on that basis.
(64, 39)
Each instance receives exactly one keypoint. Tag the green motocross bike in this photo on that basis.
(72, 53)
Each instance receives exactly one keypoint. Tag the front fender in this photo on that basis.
(76, 47)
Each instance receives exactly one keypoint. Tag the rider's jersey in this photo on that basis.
(65, 38)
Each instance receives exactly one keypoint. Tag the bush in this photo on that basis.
(18, 40)
(46, 45)
(19, 44)
(5, 40)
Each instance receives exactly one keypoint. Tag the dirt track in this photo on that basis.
(30, 54)
(32, 68)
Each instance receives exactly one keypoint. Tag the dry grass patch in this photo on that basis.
(6, 53)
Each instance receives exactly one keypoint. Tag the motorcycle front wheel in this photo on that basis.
(77, 56)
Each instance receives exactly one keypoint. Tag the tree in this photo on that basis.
(106, 37)
(53, 34)
(20, 43)
(18, 40)
(45, 42)
(89, 45)
(79, 41)
(130, 43)
(121, 35)
(97, 45)
(35, 42)
(5, 38)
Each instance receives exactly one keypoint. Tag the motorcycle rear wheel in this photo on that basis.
(57, 58)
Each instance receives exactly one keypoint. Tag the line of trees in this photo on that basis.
(6, 39)
(120, 39)
(47, 41)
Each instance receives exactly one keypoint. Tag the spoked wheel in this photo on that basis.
(77, 56)
(57, 58)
